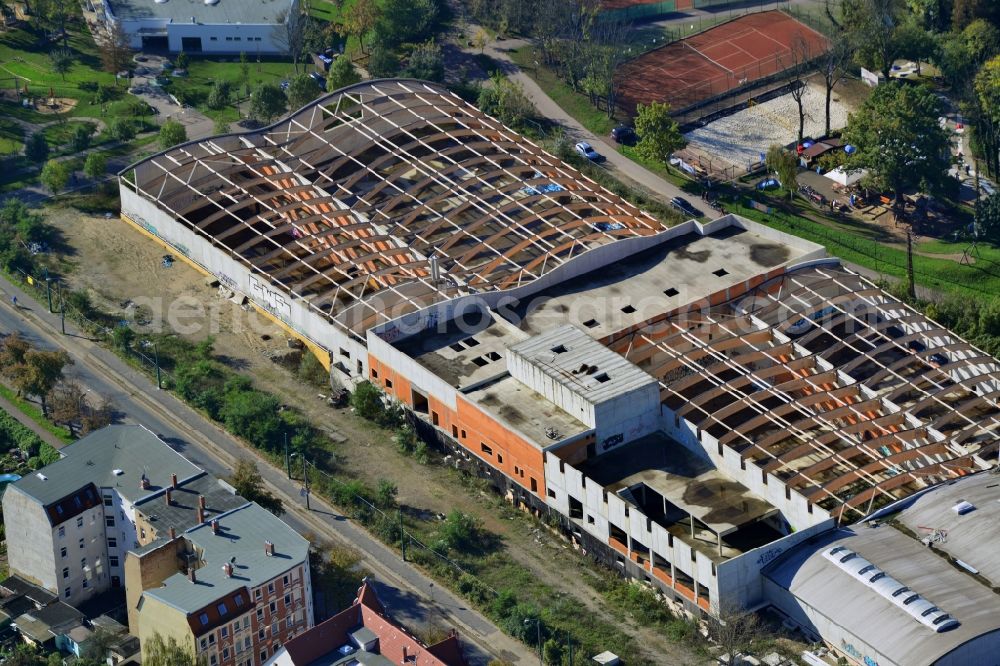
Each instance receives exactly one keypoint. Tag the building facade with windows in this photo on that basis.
(74, 520)
(255, 27)
(197, 561)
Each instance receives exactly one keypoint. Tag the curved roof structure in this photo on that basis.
(386, 197)
(819, 377)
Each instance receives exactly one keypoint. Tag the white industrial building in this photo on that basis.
(203, 26)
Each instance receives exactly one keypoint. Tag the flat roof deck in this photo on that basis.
(647, 284)
(525, 411)
(688, 482)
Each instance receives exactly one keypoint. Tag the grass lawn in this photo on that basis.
(22, 55)
(11, 137)
(203, 73)
(574, 103)
(34, 413)
(325, 10)
(855, 243)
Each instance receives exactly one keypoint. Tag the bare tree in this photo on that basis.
(833, 66)
(800, 55)
(98, 416)
(116, 49)
(605, 52)
(290, 33)
(734, 630)
(67, 404)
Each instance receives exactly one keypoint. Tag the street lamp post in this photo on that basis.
(538, 630)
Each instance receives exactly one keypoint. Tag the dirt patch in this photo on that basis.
(45, 105)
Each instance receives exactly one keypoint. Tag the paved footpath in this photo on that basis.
(412, 597)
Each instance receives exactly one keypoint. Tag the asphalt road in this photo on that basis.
(412, 598)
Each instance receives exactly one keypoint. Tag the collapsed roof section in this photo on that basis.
(385, 197)
(849, 396)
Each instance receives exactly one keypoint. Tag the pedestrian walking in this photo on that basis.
(13, 299)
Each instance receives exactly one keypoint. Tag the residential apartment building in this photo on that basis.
(198, 562)
(73, 521)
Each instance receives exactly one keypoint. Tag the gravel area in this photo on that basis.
(743, 136)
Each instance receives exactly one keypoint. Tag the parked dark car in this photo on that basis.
(684, 206)
(624, 135)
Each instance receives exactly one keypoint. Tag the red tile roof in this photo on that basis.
(395, 643)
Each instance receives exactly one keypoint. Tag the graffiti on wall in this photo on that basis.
(849, 649)
(141, 222)
(271, 300)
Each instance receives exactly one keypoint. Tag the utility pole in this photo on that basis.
(911, 287)
(288, 461)
(156, 362)
(305, 478)
(48, 288)
(62, 310)
(402, 534)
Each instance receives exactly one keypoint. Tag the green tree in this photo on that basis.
(404, 21)
(171, 134)
(121, 130)
(506, 100)
(182, 60)
(220, 94)
(988, 217)
(96, 165)
(38, 373)
(36, 148)
(382, 61)
(267, 102)
(367, 401)
(220, 126)
(342, 73)
(967, 11)
(61, 60)
(783, 163)
(987, 94)
(385, 494)
(659, 134)
(898, 139)
(301, 90)
(359, 19)
(249, 483)
(553, 652)
(81, 137)
(158, 651)
(426, 62)
(55, 175)
(252, 415)
(872, 25)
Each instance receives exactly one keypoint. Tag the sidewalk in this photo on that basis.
(25, 420)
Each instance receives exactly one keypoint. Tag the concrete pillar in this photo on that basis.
(691, 517)
(719, 534)
(673, 576)
(628, 544)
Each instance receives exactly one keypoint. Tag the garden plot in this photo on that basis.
(741, 138)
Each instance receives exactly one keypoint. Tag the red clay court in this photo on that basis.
(717, 60)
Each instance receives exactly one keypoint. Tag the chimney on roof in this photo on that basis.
(167, 497)
(173, 480)
(144, 482)
(227, 568)
(406, 654)
(173, 533)
(268, 548)
(215, 527)
(191, 576)
(201, 508)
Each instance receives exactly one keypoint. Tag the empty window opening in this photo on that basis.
(671, 292)
(499, 457)
(463, 434)
(435, 419)
(559, 349)
(345, 353)
(603, 377)
(575, 508)
(534, 485)
(458, 346)
(454, 431)
(471, 342)
(552, 493)
(388, 383)
(720, 272)
(488, 450)
(374, 373)
(420, 403)
(480, 361)
(591, 323)
(590, 519)
(628, 309)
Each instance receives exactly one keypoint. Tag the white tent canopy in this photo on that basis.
(846, 178)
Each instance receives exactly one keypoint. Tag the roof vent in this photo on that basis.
(963, 508)
(211, 2)
(42, 476)
(227, 568)
(268, 548)
(117, 472)
(161, 2)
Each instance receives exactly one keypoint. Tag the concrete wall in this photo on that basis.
(32, 552)
(148, 570)
(627, 417)
(228, 38)
(156, 617)
(270, 298)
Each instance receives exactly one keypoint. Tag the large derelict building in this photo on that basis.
(693, 401)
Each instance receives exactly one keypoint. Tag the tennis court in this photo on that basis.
(720, 59)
